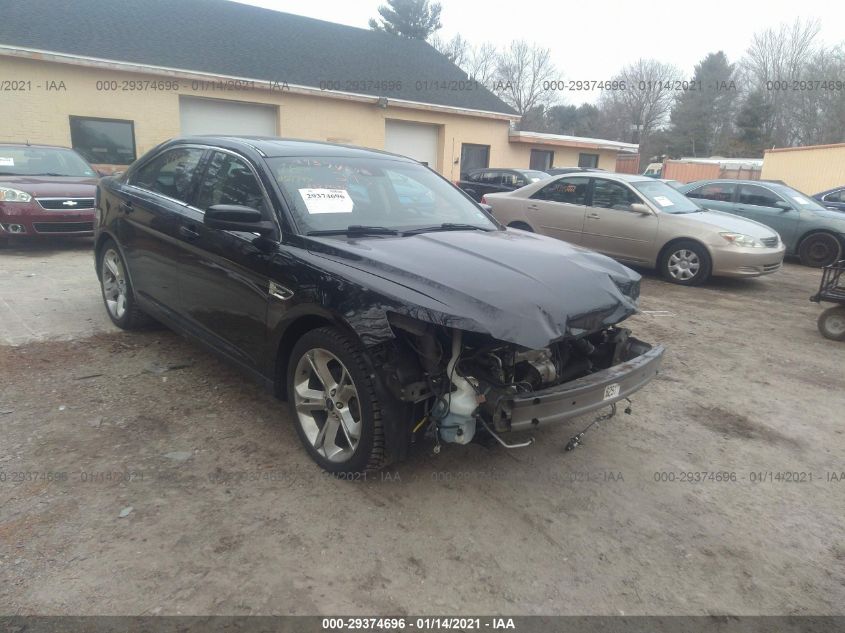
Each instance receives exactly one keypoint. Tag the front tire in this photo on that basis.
(819, 249)
(686, 263)
(335, 409)
(832, 323)
(118, 296)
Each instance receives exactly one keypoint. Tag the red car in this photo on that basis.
(45, 191)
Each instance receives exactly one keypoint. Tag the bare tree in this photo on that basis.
(634, 113)
(776, 58)
(457, 50)
(522, 70)
(482, 62)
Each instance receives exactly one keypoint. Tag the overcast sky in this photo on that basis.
(592, 40)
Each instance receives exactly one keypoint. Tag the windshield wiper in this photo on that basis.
(356, 229)
(446, 226)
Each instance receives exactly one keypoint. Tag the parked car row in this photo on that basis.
(642, 221)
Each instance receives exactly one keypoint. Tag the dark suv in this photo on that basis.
(379, 318)
(478, 182)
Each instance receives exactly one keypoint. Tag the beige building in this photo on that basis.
(74, 82)
(811, 169)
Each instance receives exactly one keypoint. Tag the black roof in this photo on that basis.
(237, 40)
(273, 146)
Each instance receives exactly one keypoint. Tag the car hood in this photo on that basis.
(516, 286)
(722, 221)
(52, 186)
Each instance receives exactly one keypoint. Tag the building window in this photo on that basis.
(588, 160)
(474, 157)
(541, 159)
(103, 141)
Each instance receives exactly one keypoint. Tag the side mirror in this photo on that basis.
(639, 207)
(234, 217)
(783, 206)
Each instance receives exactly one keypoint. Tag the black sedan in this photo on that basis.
(379, 319)
(479, 182)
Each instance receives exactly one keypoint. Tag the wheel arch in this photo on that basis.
(665, 248)
(811, 232)
(290, 332)
(99, 242)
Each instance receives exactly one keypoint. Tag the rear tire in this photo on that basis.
(832, 323)
(333, 402)
(686, 263)
(820, 249)
(116, 289)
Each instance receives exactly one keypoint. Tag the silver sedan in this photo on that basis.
(642, 221)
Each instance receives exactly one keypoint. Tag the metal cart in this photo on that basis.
(832, 290)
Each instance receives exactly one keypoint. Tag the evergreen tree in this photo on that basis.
(415, 19)
(701, 116)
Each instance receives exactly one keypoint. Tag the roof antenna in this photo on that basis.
(27, 143)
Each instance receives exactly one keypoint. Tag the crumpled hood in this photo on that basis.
(515, 286)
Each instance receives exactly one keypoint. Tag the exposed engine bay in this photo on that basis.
(457, 380)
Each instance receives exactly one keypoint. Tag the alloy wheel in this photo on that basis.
(684, 264)
(114, 284)
(327, 406)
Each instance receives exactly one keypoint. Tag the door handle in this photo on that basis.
(533, 207)
(126, 207)
(188, 232)
(594, 216)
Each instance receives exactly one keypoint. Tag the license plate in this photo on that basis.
(611, 391)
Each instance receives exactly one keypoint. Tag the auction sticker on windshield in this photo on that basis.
(663, 201)
(327, 200)
(7, 162)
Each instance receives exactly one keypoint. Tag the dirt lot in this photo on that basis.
(140, 475)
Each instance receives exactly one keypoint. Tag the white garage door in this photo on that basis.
(414, 140)
(215, 116)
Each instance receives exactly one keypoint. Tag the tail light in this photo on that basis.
(484, 200)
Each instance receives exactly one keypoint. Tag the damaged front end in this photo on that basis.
(458, 381)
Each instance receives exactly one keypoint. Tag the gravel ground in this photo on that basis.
(141, 475)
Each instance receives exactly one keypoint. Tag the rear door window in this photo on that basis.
(571, 190)
(717, 191)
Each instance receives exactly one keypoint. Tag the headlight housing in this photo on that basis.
(740, 239)
(7, 194)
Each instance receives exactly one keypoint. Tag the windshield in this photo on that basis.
(666, 198)
(333, 193)
(43, 161)
(534, 176)
(796, 198)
